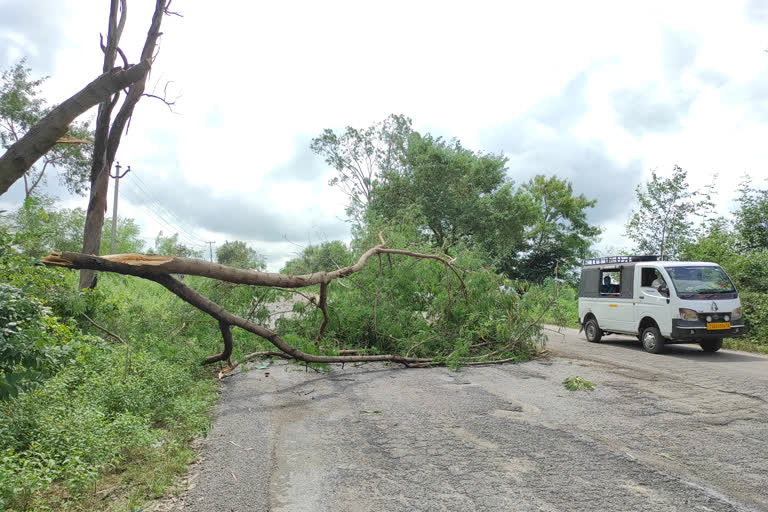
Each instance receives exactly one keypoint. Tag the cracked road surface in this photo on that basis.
(683, 431)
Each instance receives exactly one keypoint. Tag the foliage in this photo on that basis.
(47, 228)
(559, 236)
(752, 217)
(577, 383)
(127, 236)
(362, 157)
(238, 254)
(748, 268)
(316, 258)
(32, 343)
(170, 246)
(409, 306)
(457, 194)
(20, 109)
(74, 408)
(663, 222)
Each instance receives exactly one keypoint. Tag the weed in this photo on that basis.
(577, 383)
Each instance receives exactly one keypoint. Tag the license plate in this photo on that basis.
(713, 326)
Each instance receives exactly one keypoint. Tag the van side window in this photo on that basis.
(651, 278)
(647, 277)
(610, 282)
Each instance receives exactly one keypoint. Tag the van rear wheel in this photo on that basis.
(592, 331)
(652, 340)
(712, 345)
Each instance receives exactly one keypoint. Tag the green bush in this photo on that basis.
(74, 407)
(400, 304)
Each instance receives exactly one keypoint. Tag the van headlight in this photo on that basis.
(688, 314)
(736, 315)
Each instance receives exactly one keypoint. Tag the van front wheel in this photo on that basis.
(712, 345)
(652, 340)
(592, 331)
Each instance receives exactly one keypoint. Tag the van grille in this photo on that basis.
(716, 317)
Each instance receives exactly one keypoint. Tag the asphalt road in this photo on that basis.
(683, 431)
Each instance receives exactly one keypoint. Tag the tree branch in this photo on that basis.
(44, 134)
(105, 329)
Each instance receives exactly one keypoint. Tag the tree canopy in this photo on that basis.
(664, 219)
(752, 216)
(238, 254)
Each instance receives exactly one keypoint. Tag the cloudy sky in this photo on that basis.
(599, 93)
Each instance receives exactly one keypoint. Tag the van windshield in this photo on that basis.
(700, 280)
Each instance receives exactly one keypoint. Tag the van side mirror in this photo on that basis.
(664, 290)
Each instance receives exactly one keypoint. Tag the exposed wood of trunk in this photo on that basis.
(84, 261)
(108, 138)
(44, 135)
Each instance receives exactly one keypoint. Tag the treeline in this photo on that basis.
(677, 221)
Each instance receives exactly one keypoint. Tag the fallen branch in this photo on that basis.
(105, 329)
(151, 265)
(226, 334)
(159, 268)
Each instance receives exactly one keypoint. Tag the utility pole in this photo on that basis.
(117, 177)
(210, 247)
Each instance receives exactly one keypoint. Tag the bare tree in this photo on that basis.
(109, 130)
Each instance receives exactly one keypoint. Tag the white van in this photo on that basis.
(660, 302)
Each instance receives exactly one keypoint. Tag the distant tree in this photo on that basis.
(170, 246)
(363, 157)
(316, 258)
(752, 216)
(46, 228)
(559, 235)
(20, 109)
(455, 193)
(127, 238)
(238, 254)
(663, 221)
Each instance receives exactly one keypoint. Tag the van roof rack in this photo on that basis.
(607, 260)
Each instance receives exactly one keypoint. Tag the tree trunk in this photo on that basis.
(107, 139)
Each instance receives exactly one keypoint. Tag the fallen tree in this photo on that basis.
(160, 268)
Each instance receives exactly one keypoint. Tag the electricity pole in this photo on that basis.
(117, 177)
(210, 247)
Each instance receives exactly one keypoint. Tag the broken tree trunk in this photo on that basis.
(108, 136)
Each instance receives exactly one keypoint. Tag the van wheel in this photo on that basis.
(652, 340)
(712, 345)
(592, 331)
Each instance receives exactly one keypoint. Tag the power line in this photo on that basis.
(164, 212)
(152, 207)
(164, 223)
(141, 184)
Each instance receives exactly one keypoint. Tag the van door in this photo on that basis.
(650, 302)
(615, 308)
